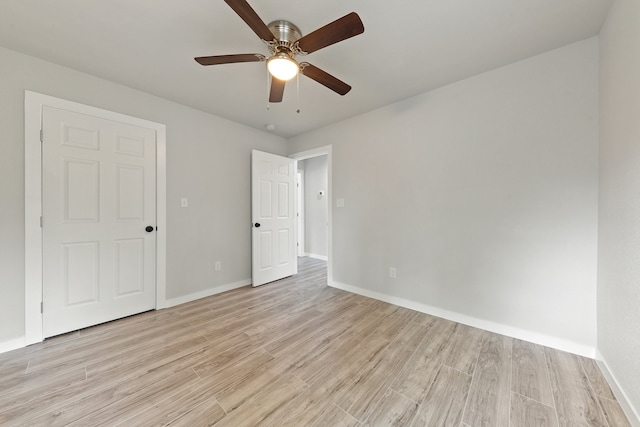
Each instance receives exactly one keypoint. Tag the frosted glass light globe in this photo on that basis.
(282, 67)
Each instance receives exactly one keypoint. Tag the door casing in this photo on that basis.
(34, 103)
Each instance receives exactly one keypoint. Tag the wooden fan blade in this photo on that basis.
(248, 15)
(277, 90)
(229, 59)
(341, 29)
(324, 78)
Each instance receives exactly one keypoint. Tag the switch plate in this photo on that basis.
(392, 272)
(218, 266)
(184, 202)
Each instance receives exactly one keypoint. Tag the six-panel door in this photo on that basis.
(99, 194)
(273, 235)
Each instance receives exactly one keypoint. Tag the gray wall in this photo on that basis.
(315, 207)
(208, 161)
(619, 225)
(483, 194)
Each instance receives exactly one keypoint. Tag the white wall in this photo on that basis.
(619, 226)
(315, 207)
(483, 194)
(208, 161)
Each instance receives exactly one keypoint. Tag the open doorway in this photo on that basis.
(300, 210)
(313, 214)
(314, 206)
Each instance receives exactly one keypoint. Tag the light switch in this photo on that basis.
(184, 202)
(339, 203)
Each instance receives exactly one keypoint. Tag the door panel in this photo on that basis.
(272, 207)
(284, 249)
(129, 266)
(81, 193)
(130, 192)
(133, 146)
(266, 211)
(283, 200)
(80, 264)
(74, 136)
(265, 249)
(99, 194)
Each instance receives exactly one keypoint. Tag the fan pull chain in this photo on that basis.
(298, 93)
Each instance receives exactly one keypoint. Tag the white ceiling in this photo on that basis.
(408, 47)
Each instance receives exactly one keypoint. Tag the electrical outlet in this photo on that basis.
(392, 272)
(218, 266)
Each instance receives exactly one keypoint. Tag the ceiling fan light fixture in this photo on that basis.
(282, 66)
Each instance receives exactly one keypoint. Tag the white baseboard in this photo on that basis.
(12, 344)
(316, 256)
(632, 413)
(499, 328)
(207, 293)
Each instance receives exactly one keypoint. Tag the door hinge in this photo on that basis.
(41, 137)
(41, 307)
(40, 221)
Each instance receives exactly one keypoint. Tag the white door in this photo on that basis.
(273, 235)
(99, 216)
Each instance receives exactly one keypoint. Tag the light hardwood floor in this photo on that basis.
(298, 353)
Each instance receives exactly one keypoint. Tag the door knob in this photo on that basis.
(149, 229)
(257, 224)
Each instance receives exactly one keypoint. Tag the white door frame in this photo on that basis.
(315, 152)
(33, 103)
(300, 211)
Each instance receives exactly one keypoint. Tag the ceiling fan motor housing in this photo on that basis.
(285, 31)
(286, 35)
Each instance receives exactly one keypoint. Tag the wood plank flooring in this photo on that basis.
(298, 353)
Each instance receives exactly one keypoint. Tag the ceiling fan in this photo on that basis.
(285, 41)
